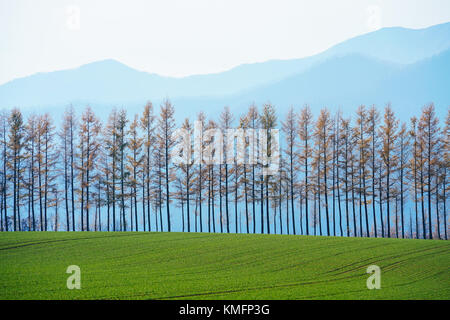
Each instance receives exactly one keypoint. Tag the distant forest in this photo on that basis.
(366, 176)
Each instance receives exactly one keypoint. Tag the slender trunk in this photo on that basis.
(182, 213)
(388, 175)
(339, 198)
(160, 197)
(319, 195)
(315, 214)
(401, 191)
(144, 223)
(246, 198)
(415, 186)
(82, 190)
(381, 204)
(1, 210)
(5, 206)
(220, 198)
(360, 201)
(325, 183)
(72, 178)
(147, 170)
(56, 215)
(46, 180)
(209, 199)
(167, 182)
(236, 195)
(187, 199)
(287, 208)
(267, 205)
(306, 189)
(410, 225)
(18, 196)
(29, 206)
(98, 205)
(275, 218)
(131, 209)
(122, 180)
(135, 201)
(292, 190)
(373, 182)
(422, 197)
(437, 207)
(346, 190)
(396, 217)
(429, 181)
(365, 203)
(15, 190)
(445, 200)
(279, 210)
(200, 189)
(300, 199)
(41, 214)
(87, 176)
(262, 204)
(108, 205)
(334, 183)
(195, 212)
(253, 198)
(66, 185)
(226, 198)
(353, 200)
(212, 199)
(113, 178)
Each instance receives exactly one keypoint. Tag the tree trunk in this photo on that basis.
(226, 198)
(267, 205)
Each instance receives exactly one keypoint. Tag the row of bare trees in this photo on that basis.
(366, 175)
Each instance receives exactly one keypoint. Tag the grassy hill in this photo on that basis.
(219, 266)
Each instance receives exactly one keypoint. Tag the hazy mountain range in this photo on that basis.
(403, 66)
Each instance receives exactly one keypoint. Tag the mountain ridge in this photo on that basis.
(111, 82)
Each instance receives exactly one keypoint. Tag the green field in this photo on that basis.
(219, 266)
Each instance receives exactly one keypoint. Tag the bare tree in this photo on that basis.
(268, 122)
(89, 142)
(15, 147)
(305, 127)
(403, 146)
(428, 133)
(290, 129)
(147, 126)
(135, 161)
(226, 119)
(252, 120)
(389, 155)
(323, 139)
(373, 122)
(166, 125)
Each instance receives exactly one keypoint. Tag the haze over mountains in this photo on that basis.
(406, 67)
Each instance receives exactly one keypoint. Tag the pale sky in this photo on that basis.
(184, 37)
